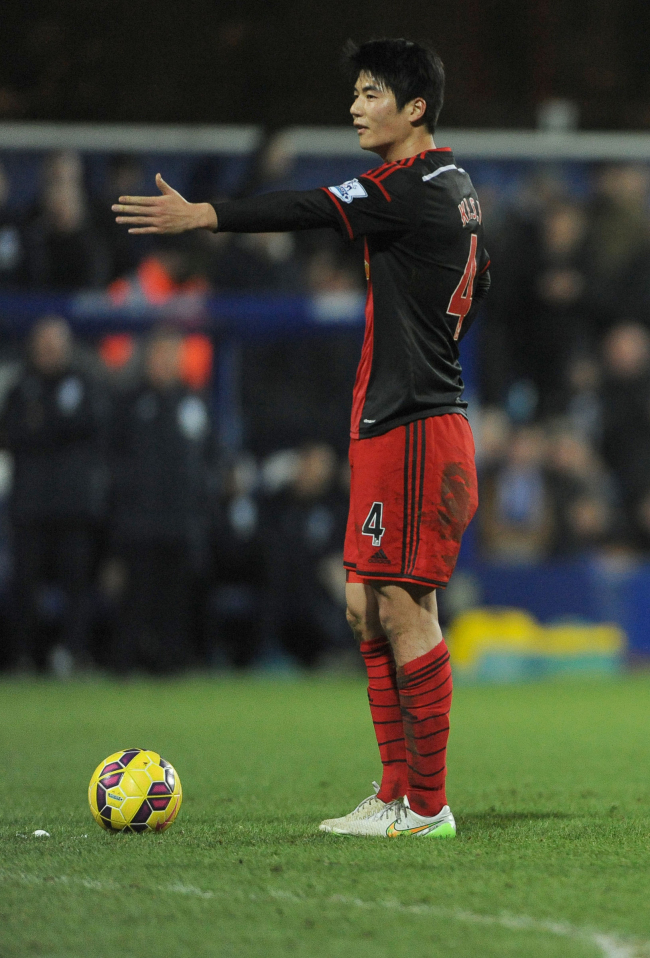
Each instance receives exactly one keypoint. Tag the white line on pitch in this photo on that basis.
(609, 945)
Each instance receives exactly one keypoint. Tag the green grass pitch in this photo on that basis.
(550, 785)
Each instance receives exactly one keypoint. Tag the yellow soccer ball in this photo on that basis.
(135, 790)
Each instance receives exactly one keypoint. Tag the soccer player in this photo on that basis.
(413, 486)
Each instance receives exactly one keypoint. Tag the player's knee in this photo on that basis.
(361, 611)
(363, 623)
(355, 619)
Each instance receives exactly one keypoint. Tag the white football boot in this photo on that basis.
(398, 818)
(369, 806)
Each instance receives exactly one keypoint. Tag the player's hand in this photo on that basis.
(168, 213)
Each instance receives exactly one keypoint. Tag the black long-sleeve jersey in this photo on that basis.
(426, 268)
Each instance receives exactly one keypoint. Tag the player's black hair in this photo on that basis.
(407, 69)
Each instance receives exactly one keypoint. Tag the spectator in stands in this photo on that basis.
(236, 596)
(170, 270)
(581, 494)
(255, 263)
(65, 252)
(124, 177)
(558, 301)
(13, 253)
(545, 313)
(492, 431)
(303, 531)
(53, 422)
(583, 402)
(162, 461)
(618, 245)
(641, 534)
(626, 409)
(295, 390)
(516, 516)
(516, 240)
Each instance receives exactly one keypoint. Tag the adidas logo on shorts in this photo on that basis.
(380, 557)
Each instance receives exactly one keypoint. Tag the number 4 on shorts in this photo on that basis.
(373, 525)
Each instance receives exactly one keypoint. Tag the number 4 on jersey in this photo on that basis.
(373, 524)
(461, 298)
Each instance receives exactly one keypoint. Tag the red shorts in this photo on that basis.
(413, 492)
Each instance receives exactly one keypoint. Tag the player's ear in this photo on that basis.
(417, 109)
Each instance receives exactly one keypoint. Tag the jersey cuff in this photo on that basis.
(336, 203)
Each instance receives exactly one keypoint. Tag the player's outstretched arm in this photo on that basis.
(167, 213)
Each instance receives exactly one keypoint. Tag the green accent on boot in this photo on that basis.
(446, 830)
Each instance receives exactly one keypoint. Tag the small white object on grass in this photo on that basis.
(41, 833)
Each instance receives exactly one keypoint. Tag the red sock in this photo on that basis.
(425, 696)
(383, 696)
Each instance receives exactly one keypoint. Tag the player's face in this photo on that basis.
(379, 123)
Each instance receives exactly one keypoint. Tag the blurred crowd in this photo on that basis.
(136, 543)
(564, 357)
(139, 540)
(62, 236)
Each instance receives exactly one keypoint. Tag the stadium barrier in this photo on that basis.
(506, 645)
(328, 142)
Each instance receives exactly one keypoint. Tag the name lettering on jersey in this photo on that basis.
(470, 211)
(351, 190)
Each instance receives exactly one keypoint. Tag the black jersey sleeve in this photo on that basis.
(278, 212)
(373, 203)
(382, 201)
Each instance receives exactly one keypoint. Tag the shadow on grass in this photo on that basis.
(503, 820)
